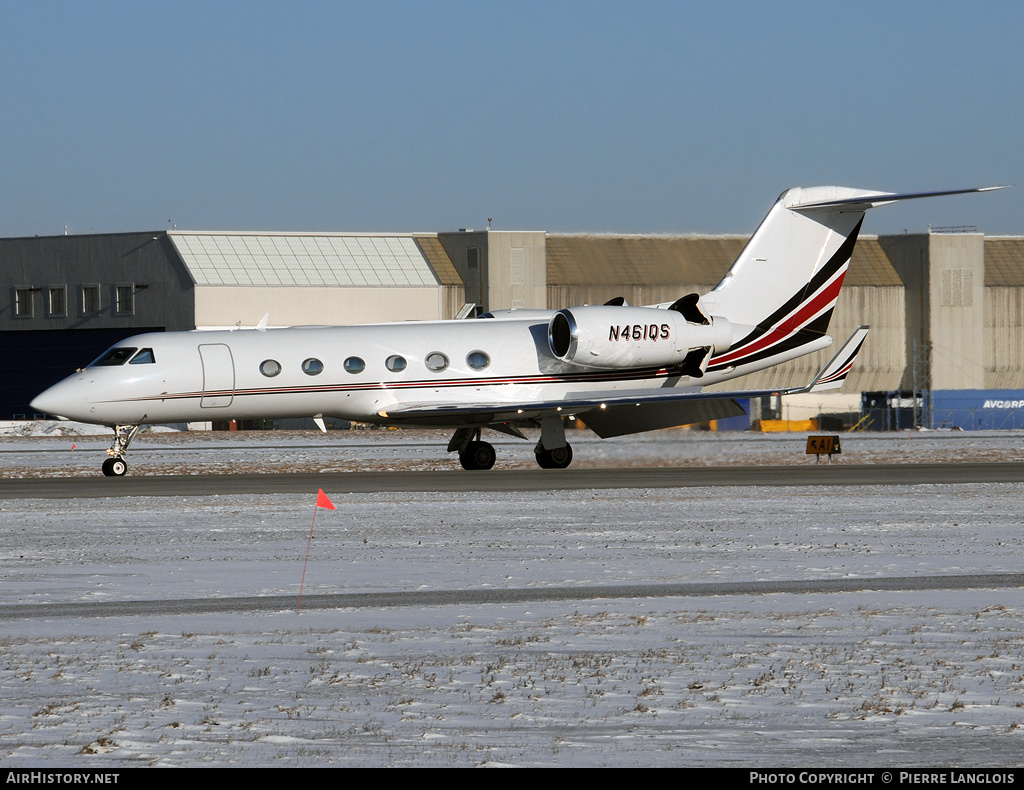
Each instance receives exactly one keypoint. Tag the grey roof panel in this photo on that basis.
(314, 259)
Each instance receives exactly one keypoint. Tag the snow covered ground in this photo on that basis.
(886, 679)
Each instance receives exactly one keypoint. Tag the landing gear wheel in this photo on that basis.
(559, 458)
(115, 467)
(477, 455)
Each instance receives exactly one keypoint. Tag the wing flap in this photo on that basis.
(626, 419)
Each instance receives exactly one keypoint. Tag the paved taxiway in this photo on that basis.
(94, 485)
(280, 603)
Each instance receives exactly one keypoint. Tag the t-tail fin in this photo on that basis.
(784, 284)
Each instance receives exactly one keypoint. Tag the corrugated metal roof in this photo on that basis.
(303, 259)
(439, 261)
(1004, 261)
(870, 266)
(634, 260)
(675, 260)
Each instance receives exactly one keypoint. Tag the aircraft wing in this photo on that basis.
(618, 413)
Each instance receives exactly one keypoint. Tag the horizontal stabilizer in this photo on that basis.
(869, 199)
(836, 369)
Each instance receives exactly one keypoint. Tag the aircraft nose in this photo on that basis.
(55, 401)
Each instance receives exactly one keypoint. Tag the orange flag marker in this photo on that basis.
(322, 501)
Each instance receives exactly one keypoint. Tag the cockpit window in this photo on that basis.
(114, 357)
(144, 357)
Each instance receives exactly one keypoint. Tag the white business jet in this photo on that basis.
(621, 369)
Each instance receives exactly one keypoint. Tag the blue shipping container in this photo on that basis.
(976, 410)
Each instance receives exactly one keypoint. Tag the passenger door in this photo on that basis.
(218, 376)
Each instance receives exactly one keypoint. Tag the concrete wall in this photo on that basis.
(957, 294)
(227, 306)
(510, 270)
(1004, 337)
(516, 270)
(472, 269)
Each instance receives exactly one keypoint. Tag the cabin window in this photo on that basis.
(477, 360)
(312, 367)
(144, 357)
(395, 363)
(355, 365)
(436, 361)
(114, 357)
(270, 367)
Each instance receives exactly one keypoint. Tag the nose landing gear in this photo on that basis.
(116, 466)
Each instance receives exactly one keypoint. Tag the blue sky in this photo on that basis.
(558, 115)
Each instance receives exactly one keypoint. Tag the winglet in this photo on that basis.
(836, 369)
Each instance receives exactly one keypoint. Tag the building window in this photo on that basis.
(956, 288)
(24, 304)
(90, 299)
(473, 257)
(124, 298)
(57, 301)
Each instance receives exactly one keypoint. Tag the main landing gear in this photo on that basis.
(116, 466)
(559, 458)
(552, 450)
(473, 453)
(477, 455)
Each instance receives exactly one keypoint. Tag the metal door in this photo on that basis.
(218, 376)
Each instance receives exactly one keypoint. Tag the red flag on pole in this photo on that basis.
(323, 501)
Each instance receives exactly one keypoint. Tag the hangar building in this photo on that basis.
(946, 307)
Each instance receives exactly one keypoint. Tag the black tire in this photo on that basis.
(559, 458)
(477, 456)
(115, 467)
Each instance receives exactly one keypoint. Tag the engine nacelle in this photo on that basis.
(629, 337)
